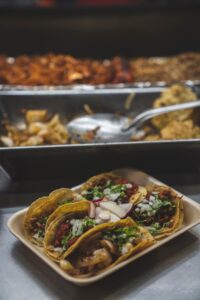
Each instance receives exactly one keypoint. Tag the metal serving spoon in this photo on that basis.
(113, 128)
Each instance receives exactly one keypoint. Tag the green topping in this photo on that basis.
(66, 239)
(45, 219)
(162, 203)
(109, 190)
(40, 226)
(94, 193)
(154, 228)
(121, 236)
(78, 227)
(117, 189)
(155, 209)
(41, 233)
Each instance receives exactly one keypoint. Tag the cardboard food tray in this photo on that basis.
(191, 218)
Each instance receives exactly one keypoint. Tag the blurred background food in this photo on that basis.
(43, 128)
(175, 125)
(60, 69)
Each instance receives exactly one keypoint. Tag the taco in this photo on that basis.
(64, 231)
(109, 187)
(104, 246)
(36, 218)
(160, 211)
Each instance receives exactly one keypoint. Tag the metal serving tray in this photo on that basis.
(89, 87)
(93, 87)
(56, 160)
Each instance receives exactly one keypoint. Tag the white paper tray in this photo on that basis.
(191, 218)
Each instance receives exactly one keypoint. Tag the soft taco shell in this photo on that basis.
(45, 206)
(65, 212)
(95, 180)
(146, 241)
(177, 218)
(58, 196)
(36, 203)
(139, 195)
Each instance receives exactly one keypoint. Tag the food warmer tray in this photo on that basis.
(4, 88)
(38, 161)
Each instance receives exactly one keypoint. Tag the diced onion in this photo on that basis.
(126, 207)
(58, 249)
(114, 208)
(104, 215)
(114, 218)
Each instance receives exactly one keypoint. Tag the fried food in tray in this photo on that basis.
(174, 125)
(39, 129)
(174, 95)
(53, 70)
(42, 128)
(66, 70)
(78, 234)
(171, 69)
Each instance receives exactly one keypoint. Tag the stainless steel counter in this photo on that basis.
(169, 273)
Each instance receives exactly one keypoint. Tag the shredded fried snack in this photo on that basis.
(184, 66)
(61, 69)
(174, 125)
(39, 130)
(180, 130)
(173, 95)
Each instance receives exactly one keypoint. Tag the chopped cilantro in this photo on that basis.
(41, 233)
(122, 235)
(94, 193)
(66, 239)
(154, 228)
(109, 189)
(153, 211)
(79, 226)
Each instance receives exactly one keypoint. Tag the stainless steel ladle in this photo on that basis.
(114, 128)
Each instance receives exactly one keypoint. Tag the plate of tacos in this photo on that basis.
(90, 231)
